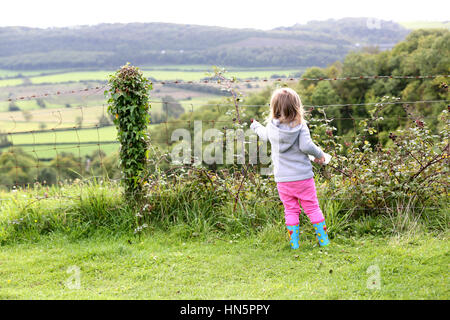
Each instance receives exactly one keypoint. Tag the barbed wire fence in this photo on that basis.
(84, 132)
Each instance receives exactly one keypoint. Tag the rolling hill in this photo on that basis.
(110, 45)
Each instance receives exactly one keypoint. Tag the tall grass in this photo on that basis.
(78, 210)
(191, 208)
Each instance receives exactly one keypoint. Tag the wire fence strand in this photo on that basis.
(74, 147)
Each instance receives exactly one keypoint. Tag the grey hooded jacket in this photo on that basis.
(290, 149)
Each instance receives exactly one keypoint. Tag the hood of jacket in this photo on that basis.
(282, 136)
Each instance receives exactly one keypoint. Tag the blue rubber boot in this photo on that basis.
(321, 233)
(294, 236)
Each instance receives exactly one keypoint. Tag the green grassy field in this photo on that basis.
(157, 74)
(67, 141)
(80, 142)
(194, 248)
(185, 73)
(164, 265)
(100, 75)
(105, 133)
(203, 67)
(10, 82)
(27, 73)
(65, 111)
(31, 105)
(50, 151)
(55, 117)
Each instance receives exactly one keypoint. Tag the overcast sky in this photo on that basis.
(260, 14)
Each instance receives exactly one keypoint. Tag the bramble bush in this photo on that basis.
(412, 169)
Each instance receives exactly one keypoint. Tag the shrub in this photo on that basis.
(13, 107)
(128, 103)
(373, 178)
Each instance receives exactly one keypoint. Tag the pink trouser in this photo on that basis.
(305, 191)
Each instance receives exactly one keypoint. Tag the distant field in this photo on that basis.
(156, 74)
(106, 133)
(11, 82)
(47, 144)
(204, 67)
(53, 103)
(72, 76)
(66, 110)
(185, 73)
(80, 142)
(72, 141)
(30, 73)
(79, 150)
(28, 105)
(55, 115)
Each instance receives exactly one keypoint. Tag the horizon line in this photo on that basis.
(210, 25)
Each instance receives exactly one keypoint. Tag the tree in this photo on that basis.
(171, 108)
(79, 121)
(16, 168)
(4, 142)
(27, 115)
(103, 121)
(422, 53)
(26, 81)
(67, 166)
(13, 107)
(41, 103)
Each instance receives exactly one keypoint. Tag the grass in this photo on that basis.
(185, 73)
(183, 255)
(164, 265)
(70, 140)
(51, 118)
(65, 141)
(27, 73)
(10, 82)
(101, 75)
(79, 150)
(177, 67)
(101, 134)
(26, 105)
(205, 67)
(157, 74)
(57, 117)
(90, 113)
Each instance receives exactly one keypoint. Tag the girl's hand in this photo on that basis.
(319, 160)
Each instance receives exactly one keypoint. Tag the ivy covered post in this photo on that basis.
(128, 103)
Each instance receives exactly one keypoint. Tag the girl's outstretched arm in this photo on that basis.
(306, 144)
(260, 130)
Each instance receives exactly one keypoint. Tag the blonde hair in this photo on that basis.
(286, 106)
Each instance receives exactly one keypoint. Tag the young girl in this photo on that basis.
(291, 144)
